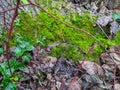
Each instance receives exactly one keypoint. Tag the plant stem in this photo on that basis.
(9, 34)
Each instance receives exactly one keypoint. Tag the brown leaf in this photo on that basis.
(39, 88)
(92, 68)
(117, 86)
(58, 85)
(53, 88)
(104, 20)
(75, 86)
(49, 76)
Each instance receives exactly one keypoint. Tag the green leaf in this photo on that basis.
(18, 52)
(24, 45)
(17, 22)
(116, 16)
(11, 86)
(4, 68)
(25, 1)
(30, 47)
(15, 65)
(7, 72)
(15, 78)
(1, 50)
(19, 40)
(42, 43)
(7, 81)
(26, 58)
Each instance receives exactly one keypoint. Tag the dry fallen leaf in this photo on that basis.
(92, 68)
(49, 76)
(53, 88)
(58, 85)
(117, 86)
(39, 88)
(114, 28)
(104, 20)
(75, 86)
(115, 56)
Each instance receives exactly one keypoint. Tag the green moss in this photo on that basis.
(44, 25)
(67, 51)
(3, 35)
(37, 26)
(117, 39)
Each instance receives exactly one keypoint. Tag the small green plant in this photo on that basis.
(41, 41)
(3, 34)
(116, 15)
(23, 48)
(42, 76)
(17, 22)
(24, 1)
(8, 81)
(1, 50)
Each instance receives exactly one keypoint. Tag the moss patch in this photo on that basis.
(44, 25)
(37, 26)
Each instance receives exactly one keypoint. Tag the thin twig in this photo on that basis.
(103, 31)
(9, 34)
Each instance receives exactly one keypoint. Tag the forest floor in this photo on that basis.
(51, 73)
(45, 72)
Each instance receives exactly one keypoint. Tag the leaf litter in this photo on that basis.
(51, 73)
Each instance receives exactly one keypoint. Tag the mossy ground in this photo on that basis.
(42, 25)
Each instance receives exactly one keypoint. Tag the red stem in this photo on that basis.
(4, 20)
(9, 34)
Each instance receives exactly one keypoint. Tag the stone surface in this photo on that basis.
(5, 18)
